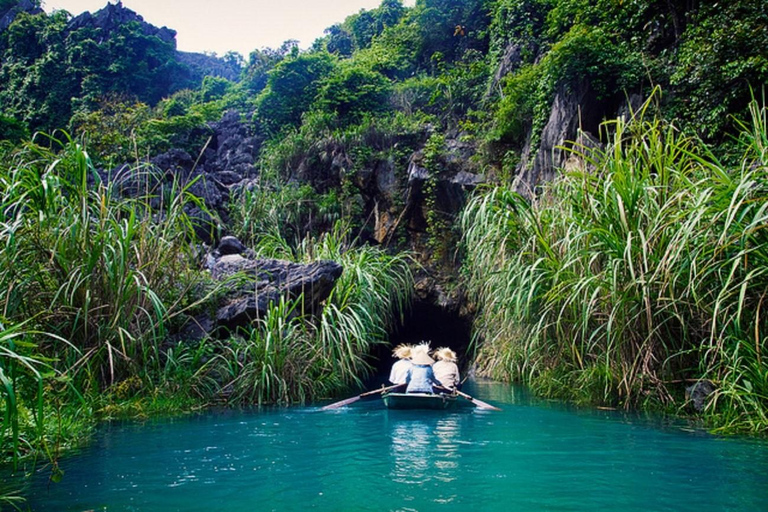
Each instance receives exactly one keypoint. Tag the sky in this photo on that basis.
(239, 25)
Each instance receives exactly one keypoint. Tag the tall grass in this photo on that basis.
(21, 377)
(101, 274)
(641, 268)
(91, 266)
(288, 356)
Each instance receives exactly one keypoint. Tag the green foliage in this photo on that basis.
(353, 91)
(50, 70)
(286, 357)
(291, 88)
(37, 84)
(260, 63)
(91, 267)
(722, 55)
(518, 22)
(214, 88)
(583, 55)
(123, 131)
(338, 41)
(21, 380)
(111, 130)
(438, 226)
(12, 130)
(635, 269)
(450, 27)
(284, 213)
(394, 53)
(366, 25)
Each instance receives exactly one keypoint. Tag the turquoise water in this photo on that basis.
(531, 456)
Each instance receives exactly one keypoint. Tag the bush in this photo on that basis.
(353, 91)
(12, 130)
(291, 88)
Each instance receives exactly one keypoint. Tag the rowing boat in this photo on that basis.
(418, 401)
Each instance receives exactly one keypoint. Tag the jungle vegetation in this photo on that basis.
(641, 266)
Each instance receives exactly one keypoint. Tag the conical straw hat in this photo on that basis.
(421, 358)
(445, 354)
(402, 351)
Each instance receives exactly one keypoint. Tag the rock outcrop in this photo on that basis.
(112, 16)
(226, 164)
(7, 16)
(252, 285)
(256, 283)
(108, 20)
(575, 116)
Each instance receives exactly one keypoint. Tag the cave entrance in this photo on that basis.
(426, 321)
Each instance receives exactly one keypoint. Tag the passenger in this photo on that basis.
(420, 377)
(446, 370)
(400, 368)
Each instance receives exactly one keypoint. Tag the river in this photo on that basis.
(534, 455)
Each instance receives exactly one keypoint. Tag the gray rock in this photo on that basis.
(415, 171)
(265, 282)
(386, 182)
(112, 17)
(698, 394)
(197, 328)
(230, 245)
(562, 126)
(467, 179)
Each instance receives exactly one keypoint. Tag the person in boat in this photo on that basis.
(446, 370)
(420, 377)
(400, 369)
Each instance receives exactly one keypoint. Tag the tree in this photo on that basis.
(339, 41)
(291, 88)
(354, 90)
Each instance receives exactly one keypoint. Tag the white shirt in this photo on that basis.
(447, 373)
(399, 371)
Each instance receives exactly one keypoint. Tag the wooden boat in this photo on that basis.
(418, 401)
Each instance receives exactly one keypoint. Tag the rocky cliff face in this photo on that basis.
(7, 16)
(226, 164)
(251, 285)
(112, 16)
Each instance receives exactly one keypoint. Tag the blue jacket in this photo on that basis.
(420, 378)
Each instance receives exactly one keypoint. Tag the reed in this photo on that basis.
(289, 356)
(92, 273)
(92, 266)
(641, 266)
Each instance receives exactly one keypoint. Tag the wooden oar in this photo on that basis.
(342, 403)
(479, 403)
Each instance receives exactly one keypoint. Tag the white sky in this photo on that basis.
(239, 25)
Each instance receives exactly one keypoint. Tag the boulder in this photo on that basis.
(265, 281)
(230, 245)
(698, 394)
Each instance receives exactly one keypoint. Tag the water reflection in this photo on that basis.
(425, 452)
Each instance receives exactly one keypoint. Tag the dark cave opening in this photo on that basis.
(427, 322)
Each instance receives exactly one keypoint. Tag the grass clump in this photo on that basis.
(288, 356)
(93, 274)
(643, 266)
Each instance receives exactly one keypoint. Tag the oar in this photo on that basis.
(479, 403)
(342, 403)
